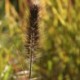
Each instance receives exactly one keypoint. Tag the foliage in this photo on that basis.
(59, 54)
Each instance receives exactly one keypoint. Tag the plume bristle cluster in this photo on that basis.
(32, 34)
(32, 30)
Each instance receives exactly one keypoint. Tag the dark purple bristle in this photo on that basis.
(32, 31)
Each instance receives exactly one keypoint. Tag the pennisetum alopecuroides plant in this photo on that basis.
(32, 31)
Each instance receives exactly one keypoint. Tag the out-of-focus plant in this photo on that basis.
(11, 42)
(61, 47)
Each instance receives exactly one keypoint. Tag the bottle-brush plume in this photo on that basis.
(32, 31)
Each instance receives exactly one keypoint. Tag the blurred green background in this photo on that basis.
(59, 27)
